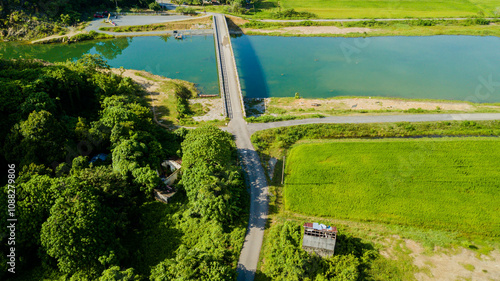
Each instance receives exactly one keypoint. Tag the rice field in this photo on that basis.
(448, 184)
(394, 8)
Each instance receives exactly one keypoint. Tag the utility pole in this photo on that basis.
(283, 171)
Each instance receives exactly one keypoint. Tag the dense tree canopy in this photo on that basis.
(79, 232)
(115, 274)
(211, 179)
(87, 153)
(73, 213)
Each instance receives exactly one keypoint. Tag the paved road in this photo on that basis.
(346, 20)
(254, 127)
(133, 20)
(249, 257)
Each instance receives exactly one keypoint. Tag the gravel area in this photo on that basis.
(216, 111)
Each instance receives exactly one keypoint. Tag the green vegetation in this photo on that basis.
(212, 223)
(285, 259)
(185, 10)
(292, 14)
(375, 234)
(30, 19)
(171, 104)
(443, 184)
(270, 118)
(20, 26)
(420, 27)
(92, 35)
(360, 9)
(273, 142)
(90, 220)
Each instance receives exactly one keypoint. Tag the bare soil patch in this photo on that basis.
(445, 264)
(215, 112)
(361, 105)
(377, 104)
(466, 264)
(313, 30)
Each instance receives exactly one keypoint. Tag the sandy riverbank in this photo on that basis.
(360, 105)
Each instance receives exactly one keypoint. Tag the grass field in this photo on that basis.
(450, 184)
(383, 8)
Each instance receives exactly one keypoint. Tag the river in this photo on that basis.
(433, 67)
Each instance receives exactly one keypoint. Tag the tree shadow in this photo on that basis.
(265, 5)
(346, 245)
(155, 238)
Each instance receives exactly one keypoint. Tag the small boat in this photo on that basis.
(179, 36)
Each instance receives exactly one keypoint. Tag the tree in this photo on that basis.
(182, 95)
(192, 265)
(342, 268)
(128, 156)
(154, 6)
(284, 257)
(79, 163)
(80, 232)
(37, 101)
(146, 178)
(209, 145)
(90, 63)
(40, 139)
(66, 19)
(115, 274)
(213, 185)
(214, 193)
(35, 198)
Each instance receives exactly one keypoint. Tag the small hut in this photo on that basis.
(319, 238)
(165, 191)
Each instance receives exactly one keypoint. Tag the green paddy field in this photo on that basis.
(450, 184)
(394, 8)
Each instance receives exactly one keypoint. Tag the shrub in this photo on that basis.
(421, 22)
(270, 118)
(291, 13)
(185, 11)
(154, 6)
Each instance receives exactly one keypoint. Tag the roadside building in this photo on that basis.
(169, 173)
(319, 238)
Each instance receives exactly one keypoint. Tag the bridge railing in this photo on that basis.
(235, 69)
(222, 88)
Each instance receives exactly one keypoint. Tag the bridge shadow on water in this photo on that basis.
(252, 77)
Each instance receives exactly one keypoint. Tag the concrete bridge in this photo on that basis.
(230, 90)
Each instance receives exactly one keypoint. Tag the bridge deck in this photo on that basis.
(228, 74)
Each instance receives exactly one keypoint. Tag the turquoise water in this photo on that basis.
(191, 59)
(436, 67)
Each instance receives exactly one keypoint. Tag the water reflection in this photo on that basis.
(192, 59)
(110, 49)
